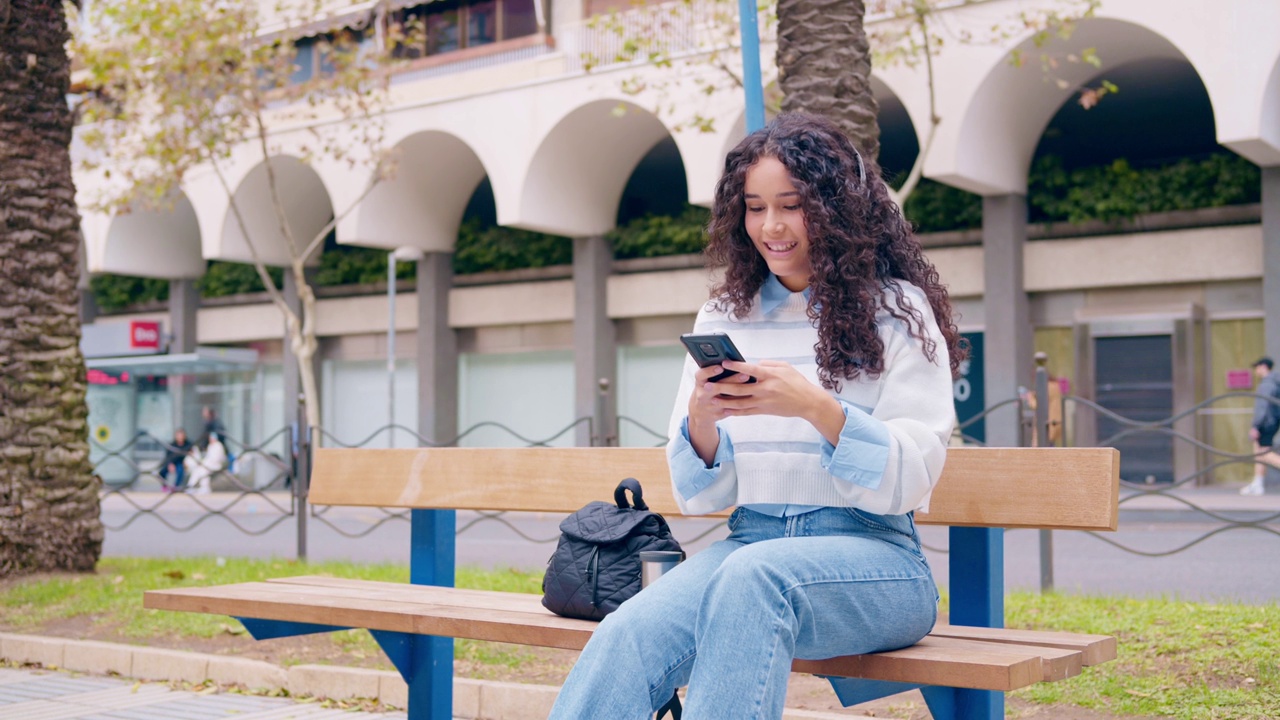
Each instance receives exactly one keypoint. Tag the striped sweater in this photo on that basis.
(778, 460)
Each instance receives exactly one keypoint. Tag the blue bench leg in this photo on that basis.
(947, 703)
(977, 599)
(431, 562)
(431, 683)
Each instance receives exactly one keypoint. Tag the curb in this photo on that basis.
(472, 699)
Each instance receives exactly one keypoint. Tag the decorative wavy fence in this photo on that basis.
(277, 485)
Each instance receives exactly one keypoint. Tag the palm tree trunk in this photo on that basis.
(49, 510)
(824, 66)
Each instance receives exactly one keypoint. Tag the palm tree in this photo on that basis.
(48, 494)
(824, 66)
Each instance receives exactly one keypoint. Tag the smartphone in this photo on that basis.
(713, 349)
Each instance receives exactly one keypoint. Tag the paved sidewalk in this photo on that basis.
(89, 680)
(55, 695)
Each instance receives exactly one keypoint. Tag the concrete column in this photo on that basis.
(1007, 338)
(437, 351)
(291, 377)
(1271, 259)
(88, 307)
(595, 343)
(184, 301)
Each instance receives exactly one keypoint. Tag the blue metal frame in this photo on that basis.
(272, 629)
(424, 661)
(429, 666)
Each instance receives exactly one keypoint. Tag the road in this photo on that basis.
(1234, 565)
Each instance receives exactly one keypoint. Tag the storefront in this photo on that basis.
(139, 395)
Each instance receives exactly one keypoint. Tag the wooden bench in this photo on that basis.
(963, 668)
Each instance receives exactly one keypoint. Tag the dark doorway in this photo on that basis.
(1134, 379)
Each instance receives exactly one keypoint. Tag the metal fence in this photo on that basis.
(280, 483)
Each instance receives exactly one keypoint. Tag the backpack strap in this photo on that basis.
(637, 495)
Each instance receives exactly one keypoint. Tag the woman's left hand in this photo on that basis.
(780, 390)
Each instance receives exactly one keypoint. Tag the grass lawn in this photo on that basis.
(1176, 659)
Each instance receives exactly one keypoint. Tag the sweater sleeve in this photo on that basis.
(915, 409)
(709, 489)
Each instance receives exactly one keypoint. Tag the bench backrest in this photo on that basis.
(1056, 488)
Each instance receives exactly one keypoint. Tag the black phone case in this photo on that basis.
(711, 349)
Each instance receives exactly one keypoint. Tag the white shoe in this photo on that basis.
(1253, 488)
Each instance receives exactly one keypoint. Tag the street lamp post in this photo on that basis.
(405, 254)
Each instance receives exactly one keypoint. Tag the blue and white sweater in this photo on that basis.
(890, 452)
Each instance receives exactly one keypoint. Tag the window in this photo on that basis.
(442, 31)
(303, 61)
(456, 24)
(518, 18)
(482, 23)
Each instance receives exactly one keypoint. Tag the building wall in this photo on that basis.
(557, 145)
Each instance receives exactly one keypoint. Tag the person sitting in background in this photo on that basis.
(204, 465)
(176, 452)
(212, 425)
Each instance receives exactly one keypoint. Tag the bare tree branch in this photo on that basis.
(258, 264)
(318, 240)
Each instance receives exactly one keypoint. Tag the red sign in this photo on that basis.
(1239, 379)
(144, 335)
(102, 377)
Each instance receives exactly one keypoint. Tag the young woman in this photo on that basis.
(848, 334)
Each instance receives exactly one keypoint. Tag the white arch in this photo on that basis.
(575, 179)
(1265, 149)
(422, 204)
(989, 150)
(304, 198)
(159, 242)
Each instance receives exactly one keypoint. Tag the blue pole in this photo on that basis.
(752, 82)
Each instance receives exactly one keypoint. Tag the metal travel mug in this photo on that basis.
(654, 563)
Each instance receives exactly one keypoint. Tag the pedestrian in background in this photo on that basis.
(1266, 422)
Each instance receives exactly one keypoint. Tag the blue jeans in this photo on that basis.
(728, 621)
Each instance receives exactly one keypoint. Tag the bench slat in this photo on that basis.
(520, 618)
(1094, 649)
(1050, 488)
(432, 613)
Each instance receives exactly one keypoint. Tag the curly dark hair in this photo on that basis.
(858, 243)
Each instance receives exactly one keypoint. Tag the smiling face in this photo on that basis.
(775, 222)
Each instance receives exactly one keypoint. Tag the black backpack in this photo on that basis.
(596, 565)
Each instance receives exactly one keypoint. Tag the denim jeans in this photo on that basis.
(728, 621)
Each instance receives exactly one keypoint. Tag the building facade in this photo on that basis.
(1148, 317)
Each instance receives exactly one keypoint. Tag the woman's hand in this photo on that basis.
(704, 411)
(780, 390)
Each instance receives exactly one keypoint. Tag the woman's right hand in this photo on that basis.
(704, 411)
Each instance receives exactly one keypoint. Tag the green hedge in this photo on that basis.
(658, 235)
(934, 207)
(115, 292)
(1119, 191)
(482, 249)
(229, 278)
(1055, 194)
